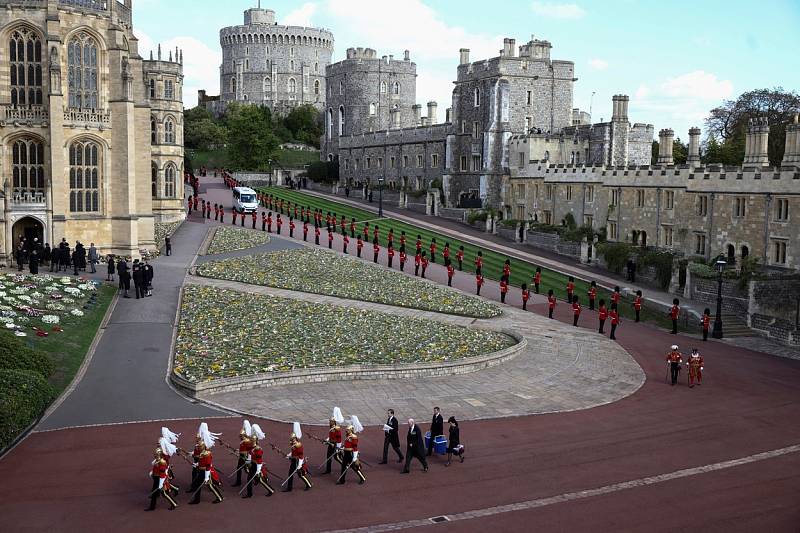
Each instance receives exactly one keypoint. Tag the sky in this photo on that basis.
(676, 60)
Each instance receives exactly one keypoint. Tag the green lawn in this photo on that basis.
(521, 271)
(218, 158)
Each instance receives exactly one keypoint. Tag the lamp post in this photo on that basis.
(380, 196)
(271, 171)
(717, 331)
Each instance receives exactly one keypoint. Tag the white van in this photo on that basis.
(245, 200)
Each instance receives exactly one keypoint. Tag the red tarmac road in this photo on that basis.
(95, 479)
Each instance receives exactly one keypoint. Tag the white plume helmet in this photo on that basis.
(202, 429)
(337, 415)
(170, 436)
(209, 439)
(296, 430)
(247, 428)
(357, 427)
(674, 347)
(167, 447)
(257, 432)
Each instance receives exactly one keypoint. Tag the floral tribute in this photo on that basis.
(227, 239)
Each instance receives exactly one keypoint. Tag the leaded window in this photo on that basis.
(27, 166)
(169, 181)
(169, 131)
(84, 176)
(25, 58)
(82, 62)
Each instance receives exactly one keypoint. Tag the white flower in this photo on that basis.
(68, 300)
(76, 312)
(50, 319)
(73, 290)
(10, 325)
(55, 306)
(66, 280)
(25, 298)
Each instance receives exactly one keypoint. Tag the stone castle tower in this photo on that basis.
(277, 66)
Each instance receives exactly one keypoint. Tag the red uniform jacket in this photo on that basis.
(637, 303)
(330, 236)
(450, 271)
(351, 443)
(263, 217)
(706, 322)
(592, 293)
(603, 312)
(433, 249)
(305, 228)
(695, 362)
(460, 256)
(346, 240)
(526, 294)
(576, 309)
(425, 262)
(537, 279)
(245, 446)
(360, 243)
(506, 270)
(479, 262)
(446, 252)
(479, 280)
(417, 259)
(674, 357)
(503, 287)
(376, 248)
(255, 216)
(402, 257)
(269, 221)
(570, 287)
(280, 222)
(335, 435)
(316, 231)
(206, 463)
(615, 297)
(291, 225)
(160, 469)
(614, 317)
(391, 251)
(297, 453)
(674, 312)
(352, 227)
(551, 302)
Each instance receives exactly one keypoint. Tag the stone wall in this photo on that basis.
(553, 243)
(734, 300)
(453, 213)
(783, 331)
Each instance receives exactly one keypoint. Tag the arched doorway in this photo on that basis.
(745, 251)
(643, 237)
(27, 228)
(731, 253)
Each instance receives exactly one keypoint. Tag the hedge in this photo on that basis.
(16, 355)
(24, 396)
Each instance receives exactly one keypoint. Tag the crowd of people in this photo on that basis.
(341, 446)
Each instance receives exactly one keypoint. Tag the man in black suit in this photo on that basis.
(437, 428)
(415, 446)
(391, 437)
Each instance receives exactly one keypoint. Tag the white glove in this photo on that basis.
(248, 460)
(288, 456)
(300, 463)
(161, 483)
(355, 456)
(194, 465)
(339, 445)
(208, 476)
(701, 368)
(258, 469)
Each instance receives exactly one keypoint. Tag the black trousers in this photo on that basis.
(239, 469)
(602, 323)
(411, 453)
(416, 270)
(674, 326)
(430, 447)
(574, 320)
(638, 311)
(387, 440)
(613, 331)
(199, 480)
(330, 456)
(155, 493)
(591, 305)
(705, 334)
(450, 283)
(550, 312)
(298, 473)
(251, 472)
(674, 369)
(460, 266)
(402, 266)
(536, 288)
(347, 462)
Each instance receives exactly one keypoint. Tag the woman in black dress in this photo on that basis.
(111, 269)
(454, 442)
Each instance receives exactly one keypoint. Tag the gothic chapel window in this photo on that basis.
(25, 58)
(82, 62)
(84, 171)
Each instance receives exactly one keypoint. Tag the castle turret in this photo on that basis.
(665, 139)
(693, 158)
(791, 156)
(417, 109)
(432, 107)
(756, 142)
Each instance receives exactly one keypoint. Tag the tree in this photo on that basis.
(680, 152)
(304, 124)
(205, 135)
(251, 141)
(728, 122)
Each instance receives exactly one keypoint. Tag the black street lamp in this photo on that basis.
(380, 196)
(717, 331)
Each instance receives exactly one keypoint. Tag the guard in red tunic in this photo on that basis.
(305, 230)
(196, 201)
(366, 231)
(291, 227)
(615, 297)
(390, 238)
(450, 272)
(279, 223)
(206, 476)
(203, 207)
(602, 315)
(390, 254)
(424, 264)
(446, 252)
(208, 212)
(350, 457)
(298, 464)
(221, 214)
(295, 210)
(317, 231)
(674, 313)
(695, 364)
(243, 215)
(503, 289)
(674, 361)
(160, 478)
(189, 203)
(460, 258)
(570, 289)
(551, 303)
(376, 233)
(330, 239)
(352, 228)
(269, 222)
(376, 249)
(537, 279)
(216, 212)
(263, 221)
(526, 295)
(402, 239)
(576, 310)
(592, 293)
(507, 269)
(254, 217)
(433, 250)
(257, 468)
(403, 257)
(706, 322)
(479, 262)
(359, 246)
(345, 242)
(419, 244)
(417, 263)
(615, 320)
(333, 444)
(478, 283)
(334, 222)
(637, 304)
(233, 214)
(245, 445)
(343, 225)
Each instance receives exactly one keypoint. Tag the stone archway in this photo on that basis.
(28, 228)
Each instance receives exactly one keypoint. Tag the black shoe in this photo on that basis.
(340, 482)
(382, 463)
(424, 468)
(360, 481)
(217, 501)
(401, 459)
(286, 490)
(193, 502)
(247, 496)
(307, 488)
(404, 471)
(150, 509)
(462, 458)
(172, 507)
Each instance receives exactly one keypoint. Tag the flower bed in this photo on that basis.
(231, 239)
(224, 333)
(324, 272)
(42, 304)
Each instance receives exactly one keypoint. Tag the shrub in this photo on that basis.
(616, 255)
(16, 355)
(577, 234)
(510, 223)
(702, 270)
(546, 228)
(477, 216)
(569, 221)
(661, 262)
(24, 396)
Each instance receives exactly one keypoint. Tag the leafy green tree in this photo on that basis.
(304, 123)
(205, 134)
(251, 140)
(680, 152)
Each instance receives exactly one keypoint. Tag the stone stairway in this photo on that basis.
(734, 326)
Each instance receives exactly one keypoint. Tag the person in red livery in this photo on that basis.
(592, 293)
(345, 242)
(433, 249)
(615, 296)
(503, 289)
(366, 231)
(419, 244)
(478, 282)
(257, 472)
(674, 361)
(507, 269)
(233, 215)
(221, 214)
(196, 201)
(244, 451)
(206, 476)
(551, 303)
(450, 272)
(216, 212)
(305, 231)
(279, 223)
(330, 239)
(526, 295)
(637, 304)
(359, 246)
(390, 238)
(570, 289)
(376, 233)
(424, 264)
(674, 313)
(295, 210)
(537, 279)
(269, 222)
(334, 222)
(402, 239)
(242, 214)
(576, 310)
(317, 231)
(203, 206)
(417, 263)
(403, 258)
(208, 211)
(615, 320)
(695, 365)
(352, 228)
(333, 444)
(460, 258)
(254, 216)
(390, 253)
(161, 486)
(602, 315)
(263, 221)
(376, 249)
(479, 262)
(706, 322)
(298, 463)
(291, 227)
(446, 252)
(350, 457)
(343, 225)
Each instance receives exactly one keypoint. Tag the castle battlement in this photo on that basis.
(413, 135)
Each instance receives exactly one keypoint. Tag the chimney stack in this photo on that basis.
(665, 140)
(792, 154)
(432, 112)
(448, 114)
(406, 56)
(464, 56)
(619, 110)
(756, 142)
(417, 110)
(693, 158)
